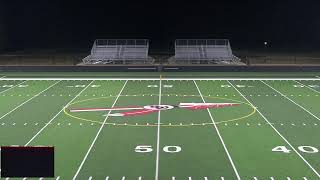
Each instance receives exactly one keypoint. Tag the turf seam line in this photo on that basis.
(13, 87)
(294, 149)
(28, 100)
(158, 132)
(98, 133)
(307, 86)
(56, 115)
(216, 128)
(291, 100)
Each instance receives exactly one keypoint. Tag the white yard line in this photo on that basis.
(215, 126)
(57, 115)
(98, 133)
(294, 149)
(13, 87)
(28, 100)
(164, 78)
(291, 100)
(307, 87)
(158, 133)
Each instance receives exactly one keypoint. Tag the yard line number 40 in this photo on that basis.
(148, 149)
(304, 149)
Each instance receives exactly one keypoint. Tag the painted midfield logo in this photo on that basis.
(143, 110)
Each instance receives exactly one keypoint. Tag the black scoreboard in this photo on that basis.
(27, 161)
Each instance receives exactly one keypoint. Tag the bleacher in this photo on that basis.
(203, 50)
(118, 51)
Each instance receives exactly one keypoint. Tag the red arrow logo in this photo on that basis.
(143, 110)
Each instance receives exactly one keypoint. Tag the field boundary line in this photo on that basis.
(291, 100)
(164, 78)
(268, 122)
(98, 133)
(13, 86)
(56, 115)
(218, 132)
(23, 103)
(158, 132)
(307, 87)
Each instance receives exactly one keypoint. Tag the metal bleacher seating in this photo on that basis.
(203, 50)
(118, 51)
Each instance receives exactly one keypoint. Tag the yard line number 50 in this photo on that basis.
(148, 149)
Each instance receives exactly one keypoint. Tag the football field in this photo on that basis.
(272, 133)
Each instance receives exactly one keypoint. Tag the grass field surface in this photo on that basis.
(272, 134)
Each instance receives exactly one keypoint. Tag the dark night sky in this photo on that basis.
(66, 24)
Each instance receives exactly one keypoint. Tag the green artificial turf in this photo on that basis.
(208, 144)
